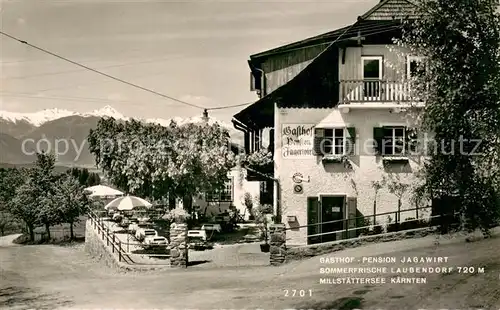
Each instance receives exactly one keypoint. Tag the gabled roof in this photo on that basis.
(311, 80)
(302, 43)
(305, 89)
(363, 23)
(383, 3)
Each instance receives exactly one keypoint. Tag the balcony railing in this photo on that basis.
(361, 91)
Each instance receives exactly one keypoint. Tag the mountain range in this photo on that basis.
(21, 134)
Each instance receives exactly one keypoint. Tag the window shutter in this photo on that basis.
(313, 217)
(411, 140)
(351, 141)
(319, 136)
(352, 208)
(247, 142)
(271, 141)
(378, 137)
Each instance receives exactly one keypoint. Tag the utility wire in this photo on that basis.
(101, 73)
(80, 70)
(338, 39)
(383, 28)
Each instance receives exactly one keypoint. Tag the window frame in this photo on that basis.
(394, 138)
(380, 67)
(333, 145)
(409, 60)
(217, 196)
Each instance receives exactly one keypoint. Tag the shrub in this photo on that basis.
(393, 227)
(377, 230)
(412, 223)
(363, 222)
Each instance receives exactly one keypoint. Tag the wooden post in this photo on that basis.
(113, 245)
(119, 251)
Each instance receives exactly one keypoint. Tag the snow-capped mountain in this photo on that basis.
(33, 130)
(41, 117)
(107, 111)
(36, 118)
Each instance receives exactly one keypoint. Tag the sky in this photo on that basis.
(196, 51)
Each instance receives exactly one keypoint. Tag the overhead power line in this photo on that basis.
(338, 39)
(101, 73)
(104, 67)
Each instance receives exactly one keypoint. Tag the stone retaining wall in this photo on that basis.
(277, 252)
(97, 248)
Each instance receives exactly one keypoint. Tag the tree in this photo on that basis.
(460, 40)
(7, 222)
(85, 177)
(10, 180)
(262, 218)
(133, 155)
(201, 160)
(68, 201)
(41, 180)
(30, 201)
(397, 188)
(248, 203)
(157, 162)
(377, 186)
(25, 207)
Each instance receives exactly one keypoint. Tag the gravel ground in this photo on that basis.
(50, 277)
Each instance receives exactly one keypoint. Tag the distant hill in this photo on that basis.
(22, 134)
(58, 168)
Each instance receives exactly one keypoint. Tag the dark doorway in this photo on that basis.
(328, 209)
(445, 209)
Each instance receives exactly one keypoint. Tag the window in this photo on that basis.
(334, 141)
(372, 74)
(394, 141)
(414, 66)
(224, 195)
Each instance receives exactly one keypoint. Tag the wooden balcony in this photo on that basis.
(374, 91)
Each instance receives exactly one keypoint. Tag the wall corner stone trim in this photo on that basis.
(178, 245)
(277, 244)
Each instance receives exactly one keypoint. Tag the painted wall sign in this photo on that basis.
(297, 189)
(297, 141)
(297, 177)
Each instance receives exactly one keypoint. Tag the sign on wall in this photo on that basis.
(298, 189)
(297, 141)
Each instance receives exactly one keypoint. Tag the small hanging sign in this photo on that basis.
(297, 189)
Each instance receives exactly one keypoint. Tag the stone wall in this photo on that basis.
(95, 246)
(97, 249)
(277, 245)
(178, 245)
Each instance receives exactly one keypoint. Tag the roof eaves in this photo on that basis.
(287, 47)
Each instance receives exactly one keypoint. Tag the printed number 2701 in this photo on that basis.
(297, 293)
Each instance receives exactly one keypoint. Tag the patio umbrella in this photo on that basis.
(127, 203)
(103, 191)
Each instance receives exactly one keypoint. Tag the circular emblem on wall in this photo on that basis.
(297, 177)
(297, 189)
